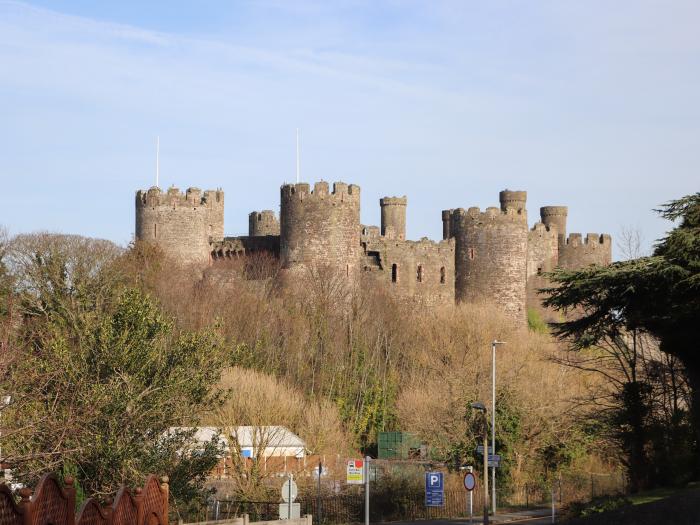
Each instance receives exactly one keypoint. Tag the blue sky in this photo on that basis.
(593, 104)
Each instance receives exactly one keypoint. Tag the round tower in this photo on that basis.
(393, 217)
(320, 229)
(446, 220)
(514, 200)
(181, 224)
(491, 257)
(555, 216)
(263, 223)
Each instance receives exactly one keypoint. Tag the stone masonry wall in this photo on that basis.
(419, 272)
(491, 258)
(179, 223)
(263, 223)
(319, 228)
(542, 257)
(578, 252)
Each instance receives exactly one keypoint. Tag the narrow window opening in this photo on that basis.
(155, 231)
(419, 274)
(539, 271)
(347, 270)
(394, 273)
(471, 253)
(442, 275)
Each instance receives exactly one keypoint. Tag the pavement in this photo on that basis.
(531, 517)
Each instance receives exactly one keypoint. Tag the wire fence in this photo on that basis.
(347, 508)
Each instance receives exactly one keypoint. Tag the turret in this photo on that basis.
(181, 224)
(514, 200)
(319, 228)
(393, 217)
(446, 221)
(262, 223)
(555, 216)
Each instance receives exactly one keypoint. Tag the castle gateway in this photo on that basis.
(489, 255)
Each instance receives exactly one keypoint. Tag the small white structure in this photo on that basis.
(254, 441)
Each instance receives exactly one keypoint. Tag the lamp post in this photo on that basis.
(493, 420)
(482, 408)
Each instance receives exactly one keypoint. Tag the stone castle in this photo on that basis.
(489, 255)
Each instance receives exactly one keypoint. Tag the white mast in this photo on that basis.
(157, 161)
(297, 155)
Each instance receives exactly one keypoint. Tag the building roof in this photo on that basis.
(270, 436)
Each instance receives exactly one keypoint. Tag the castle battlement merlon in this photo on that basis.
(591, 239)
(341, 191)
(491, 214)
(154, 196)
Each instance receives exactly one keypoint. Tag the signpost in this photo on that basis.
(355, 472)
(289, 510)
(494, 460)
(434, 489)
(469, 484)
(480, 449)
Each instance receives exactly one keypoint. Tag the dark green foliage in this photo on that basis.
(103, 376)
(658, 295)
(597, 505)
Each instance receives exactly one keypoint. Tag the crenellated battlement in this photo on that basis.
(539, 227)
(591, 239)
(302, 191)
(578, 251)
(173, 197)
(491, 214)
(393, 201)
(486, 254)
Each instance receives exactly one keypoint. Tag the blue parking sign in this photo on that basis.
(434, 489)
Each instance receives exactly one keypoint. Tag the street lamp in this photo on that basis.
(493, 422)
(482, 408)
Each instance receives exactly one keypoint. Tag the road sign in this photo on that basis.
(285, 508)
(434, 489)
(494, 460)
(469, 481)
(286, 489)
(355, 472)
(480, 450)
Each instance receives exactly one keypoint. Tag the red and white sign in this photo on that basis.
(469, 481)
(355, 472)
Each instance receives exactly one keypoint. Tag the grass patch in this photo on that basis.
(535, 322)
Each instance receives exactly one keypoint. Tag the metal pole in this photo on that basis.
(366, 490)
(553, 513)
(289, 499)
(486, 470)
(318, 498)
(471, 500)
(493, 426)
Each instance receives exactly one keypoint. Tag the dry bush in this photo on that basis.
(379, 363)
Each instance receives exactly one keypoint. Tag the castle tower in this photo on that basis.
(576, 252)
(491, 254)
(393, 217)
(214, 202)
(555, 216)
(514, 200)
(446, 222)
(321, 229)
(263, 223)
(181, 224)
